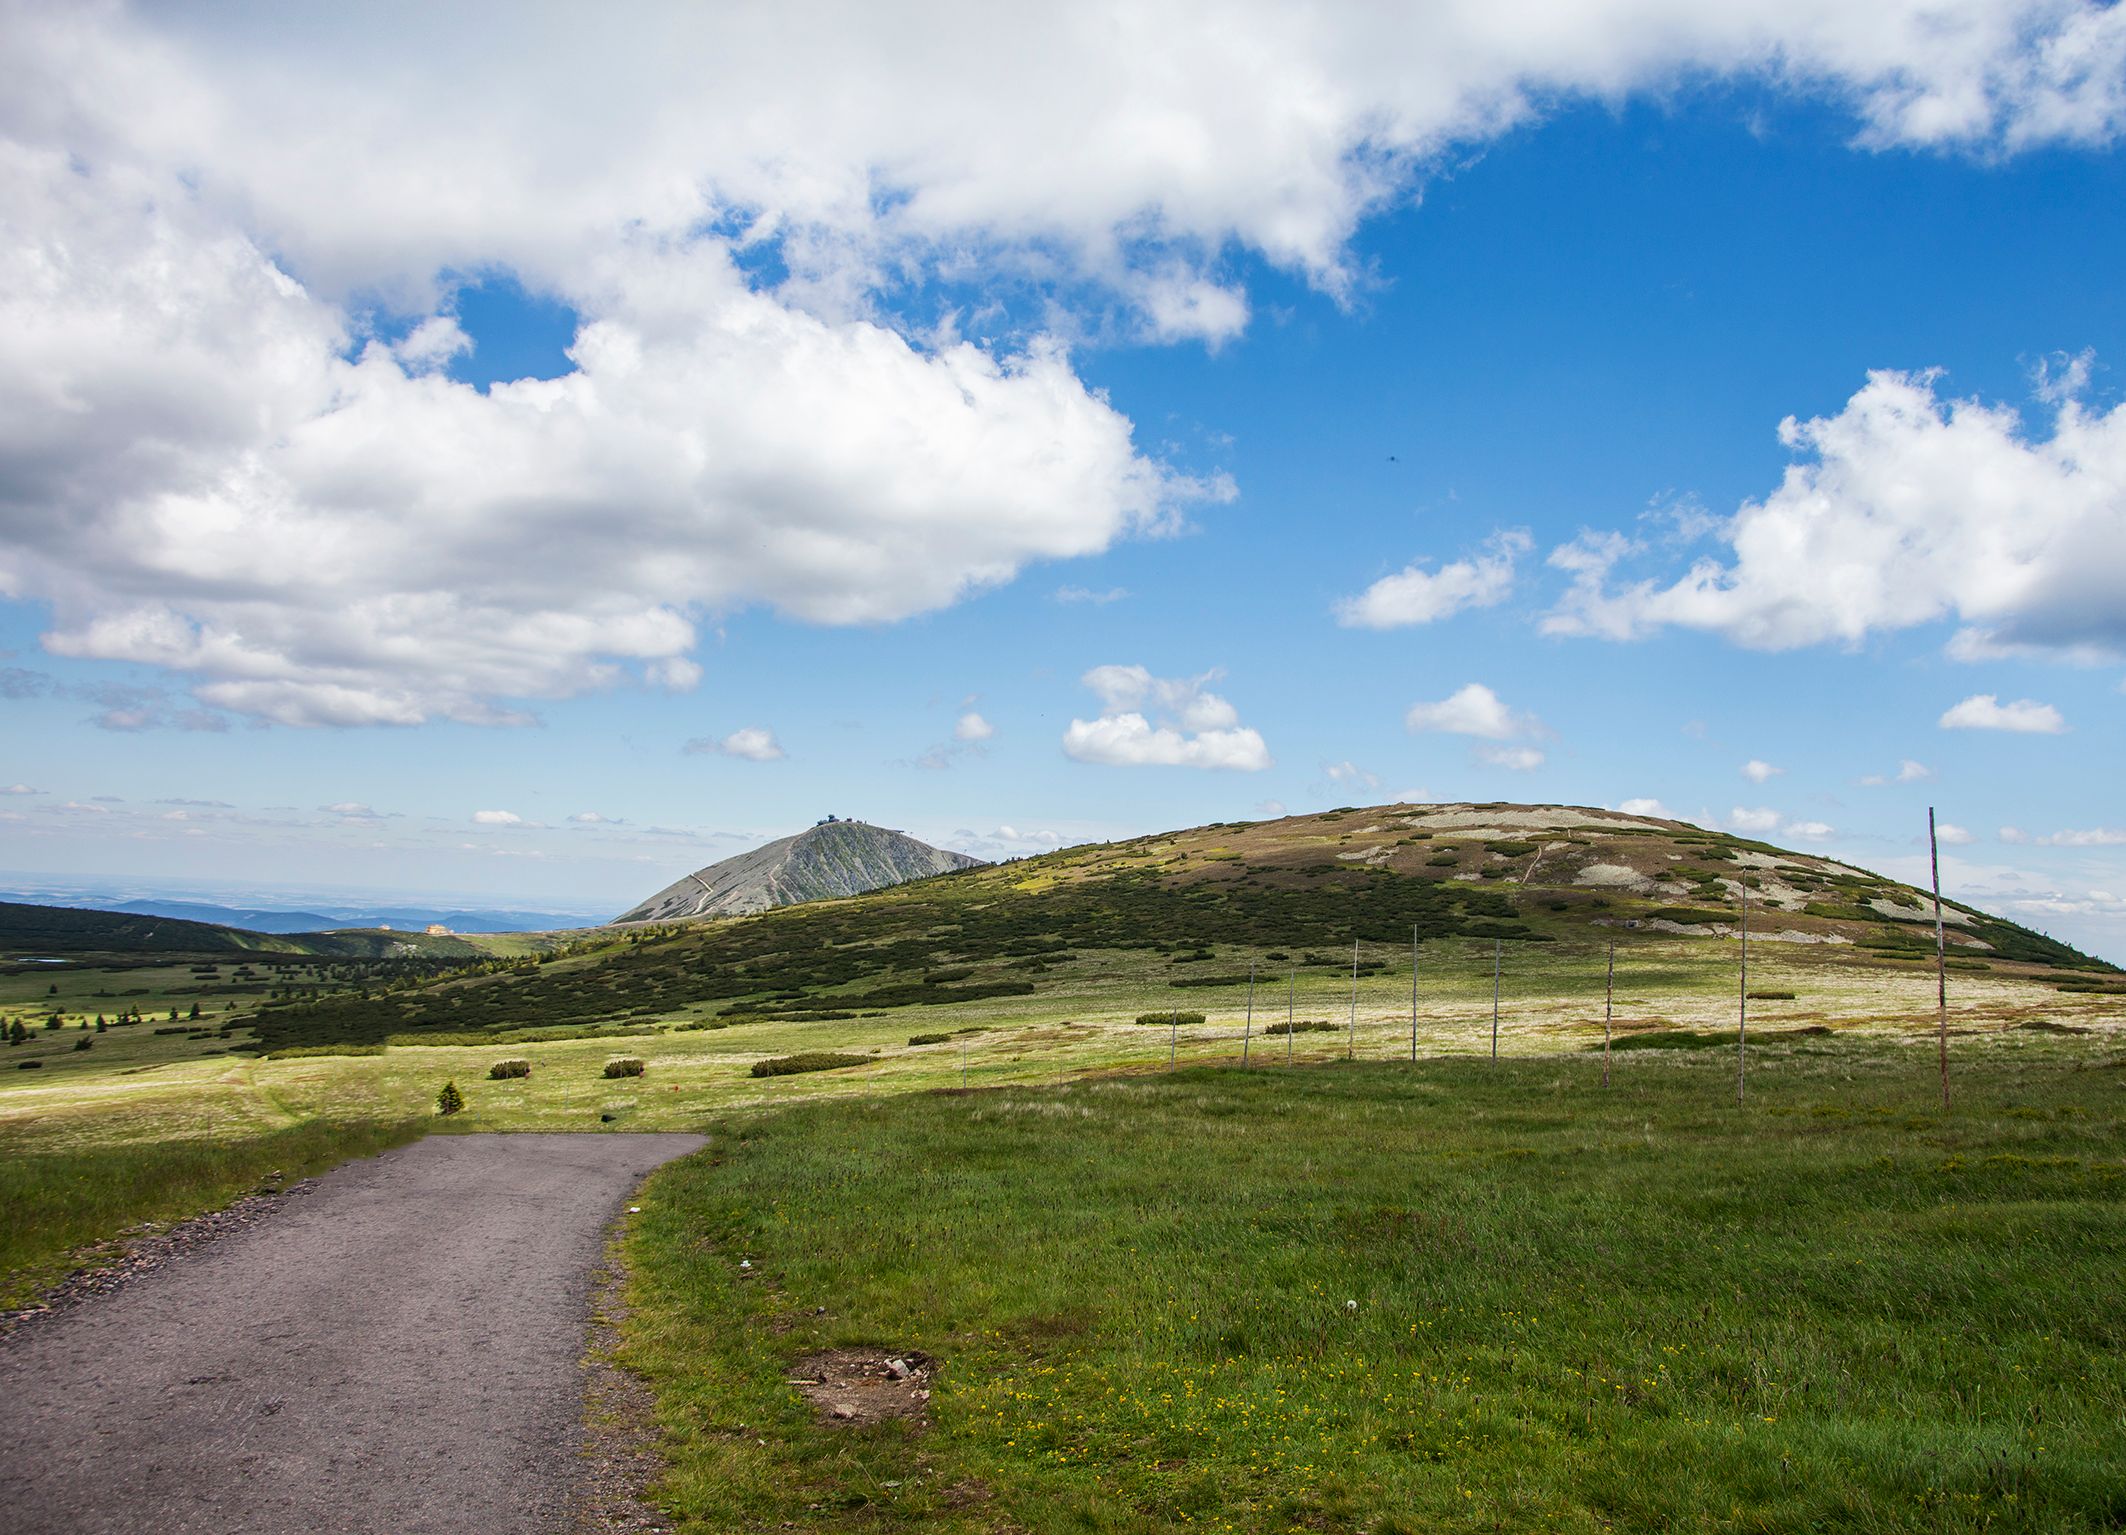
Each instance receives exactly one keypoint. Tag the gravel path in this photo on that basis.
(398, 1349)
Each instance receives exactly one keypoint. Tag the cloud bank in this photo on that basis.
(1148, 721)
(230, 446)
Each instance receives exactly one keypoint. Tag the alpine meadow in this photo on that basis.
(1128, 769)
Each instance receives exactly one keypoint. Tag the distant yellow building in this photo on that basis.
(438, 930)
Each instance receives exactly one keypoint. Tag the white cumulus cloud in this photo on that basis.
(1905, 508)
(1759, 771)
(1415, 595)
(1985, 711)
(972, 727)
(1148, 721)
(1516, 759)
(2095, 836)
(497, 818)
(749, 743)
(214, 462)
(1757, 820)
(1953, 836)
(1647, 807)
(1472, 710)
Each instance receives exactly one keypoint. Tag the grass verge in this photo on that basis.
(59, 1208)
(1450, 1296)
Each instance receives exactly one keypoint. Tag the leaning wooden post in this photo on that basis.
(1413, 993)
(1291, 991)
(1494, 999)
(1609, 1007)
(1941, 961)
(1742, 1001)
(1247, 1032)
(1351, 1043)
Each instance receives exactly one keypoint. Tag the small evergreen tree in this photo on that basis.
(195, 1012)
(16, 1033)
(449, 1100)
(100, 1024)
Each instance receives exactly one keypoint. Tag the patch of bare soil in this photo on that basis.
(855, 1386)
(621, 1460)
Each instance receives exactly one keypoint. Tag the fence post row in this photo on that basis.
(1413, 994)
(1351, 1043)
(1495, 947)
(1742, 1003)
(1941, 961)
(1609, 1007)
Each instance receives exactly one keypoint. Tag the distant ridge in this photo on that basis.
(834, 858)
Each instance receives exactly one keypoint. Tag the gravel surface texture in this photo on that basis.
(399, 1348)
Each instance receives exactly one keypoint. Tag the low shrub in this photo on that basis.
(811, 1060)
(1771, 996)
(626, 1066)
(944, 977)
(1301, 1026)
(928, 1039)
(1170, 1020)
(29, 1065)
(1185, 981)
(503, 1070)
(1443, 860)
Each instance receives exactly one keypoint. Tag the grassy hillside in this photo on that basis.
(1180, 917)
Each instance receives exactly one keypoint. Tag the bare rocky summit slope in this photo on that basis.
(834, 858)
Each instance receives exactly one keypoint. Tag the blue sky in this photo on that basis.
(1023, 503)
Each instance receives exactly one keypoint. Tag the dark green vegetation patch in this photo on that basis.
(810, 1060)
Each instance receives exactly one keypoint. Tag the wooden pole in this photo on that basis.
(1742, 1001)
(1291, 991)
(1351, 1044)
(1247, 1033)
(1609, 1007)
(1941, 962)
(1494, 999)
(1413, 993)
(1173, 1037)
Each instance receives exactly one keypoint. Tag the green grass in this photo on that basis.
(1452, 1296)
(56, 1206)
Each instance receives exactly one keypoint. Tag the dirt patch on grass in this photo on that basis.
(855, 1386)
(621, 1459)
